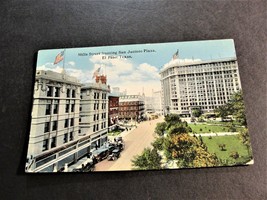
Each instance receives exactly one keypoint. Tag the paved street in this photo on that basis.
(135, 141)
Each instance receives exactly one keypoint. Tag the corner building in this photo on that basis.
(55, 121)
(205, 85)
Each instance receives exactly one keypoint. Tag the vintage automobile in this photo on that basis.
(100, 154)
(114, 155)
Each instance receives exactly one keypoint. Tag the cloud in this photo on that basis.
(127, 75)
(71, 63)
(72, 70)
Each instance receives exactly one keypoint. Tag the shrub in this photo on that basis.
(234, 155)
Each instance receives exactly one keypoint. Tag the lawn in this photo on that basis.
(232, 144)
(114, 133)
(207, 128)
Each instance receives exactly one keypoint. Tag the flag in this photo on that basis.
(176, 55)
(96, 72)
(59, 57)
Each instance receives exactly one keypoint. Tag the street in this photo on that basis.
(135, 141)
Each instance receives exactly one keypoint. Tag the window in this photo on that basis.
(48, 109)
(71, 136)
(67, 108)
(68, 93)
(53, 142)
(54, 126)
(73, 94)
(65, 139)
(47, 127)
(49, 91)
(94, 128)
(72, 107)
(55, 111)
(71, 121)
(66, 123)
(45, 144)
(57, 92)
(80, 119)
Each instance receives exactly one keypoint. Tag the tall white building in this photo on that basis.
(94, 113)
(202, 84)
(55, 120)
(157, 102)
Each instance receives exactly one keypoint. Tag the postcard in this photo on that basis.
(138, 107)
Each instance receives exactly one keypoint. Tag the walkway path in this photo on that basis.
(215, 134)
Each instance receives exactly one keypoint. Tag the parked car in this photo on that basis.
(114, 155)
(100, 154)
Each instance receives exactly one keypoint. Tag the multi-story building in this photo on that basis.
(55, 121)
(157, 102)
(204, 84)
(113, 109)
(94, 112)
(131, 107)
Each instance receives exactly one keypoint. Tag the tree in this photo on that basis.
(234, 107)
(245, 138)
(179, 128)
(238, 108)
(149, 159)
(160, 128)
(158, 143)
(197, 112)
(188, 151)
(172, 119)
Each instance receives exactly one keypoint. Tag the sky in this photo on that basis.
(134, 68)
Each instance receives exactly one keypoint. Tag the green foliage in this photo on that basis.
(234, 107)
(160, 128)
(245, 139)
(197, 112)
(189, 152)
(179, 128)
(234, 155)
(149, 159)
(172, 119)
(158, 143)
(222, 147)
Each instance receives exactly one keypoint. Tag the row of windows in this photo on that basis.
(96, 116)
(55, 92)
(67, 137)
(52, 126)
(96, 126)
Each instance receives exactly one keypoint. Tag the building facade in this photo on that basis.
(113, 109)
(94, 112)
(131, 107)
(204, 84)
(157, 102)
(55, 120)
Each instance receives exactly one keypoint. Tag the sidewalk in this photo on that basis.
(215, 134)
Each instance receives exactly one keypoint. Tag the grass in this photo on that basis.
(207, 128)
(114, 133)
(232, 144)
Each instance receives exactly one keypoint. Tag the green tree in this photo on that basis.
(158, 143)
(245, 138)
(189, 152)
(160, 128)
(235, 107)
(149, 159)
(172, 119)
(197, 112)
(179, 128)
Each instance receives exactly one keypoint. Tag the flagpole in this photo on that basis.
(64, 59)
